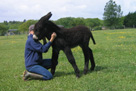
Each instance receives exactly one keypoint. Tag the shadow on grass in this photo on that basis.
(99, 68)
(62, 73)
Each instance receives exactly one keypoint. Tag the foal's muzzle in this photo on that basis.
(35, 37)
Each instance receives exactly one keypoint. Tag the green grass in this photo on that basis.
(115, 57)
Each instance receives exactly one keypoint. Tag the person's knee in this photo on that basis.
(48, 77)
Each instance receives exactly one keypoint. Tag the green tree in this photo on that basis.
(78, 21)
(67, 22)
(14, 25)
(130, 20)
(3, 29)
(112, 14)
(93, 23)
(24, 27)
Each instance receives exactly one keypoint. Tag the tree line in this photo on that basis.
(112, 19)
(67, 22)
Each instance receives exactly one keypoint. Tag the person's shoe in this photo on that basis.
(25, 76)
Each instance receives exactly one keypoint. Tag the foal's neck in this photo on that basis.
(48, 36)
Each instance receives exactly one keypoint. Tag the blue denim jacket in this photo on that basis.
(33, 51)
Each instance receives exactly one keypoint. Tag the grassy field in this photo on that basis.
(115, 57)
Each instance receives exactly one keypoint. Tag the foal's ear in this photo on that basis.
(45, 18)
(48, 16)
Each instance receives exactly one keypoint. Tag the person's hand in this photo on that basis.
(53, 36)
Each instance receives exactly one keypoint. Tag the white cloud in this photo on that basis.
(127, 6)
(35, 9)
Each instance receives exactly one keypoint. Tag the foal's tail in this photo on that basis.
(93, 38)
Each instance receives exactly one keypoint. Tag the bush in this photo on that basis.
(97, 28)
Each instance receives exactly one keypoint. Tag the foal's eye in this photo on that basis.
(36, 33)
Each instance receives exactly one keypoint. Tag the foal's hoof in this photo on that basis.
(53, 72)
(92, 68)
(85, 72)
(78, 76)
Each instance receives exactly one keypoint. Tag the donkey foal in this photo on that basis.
(65, 40)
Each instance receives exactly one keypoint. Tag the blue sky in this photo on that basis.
(19, 10)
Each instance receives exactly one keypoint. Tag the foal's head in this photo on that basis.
(40, 29)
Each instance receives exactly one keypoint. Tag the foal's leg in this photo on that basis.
(44, 41)
(55, 54)
(71, 59)
(86, 55)
(91, 60)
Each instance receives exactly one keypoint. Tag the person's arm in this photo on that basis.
(37, 46)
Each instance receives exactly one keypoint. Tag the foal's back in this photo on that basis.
(76, 35)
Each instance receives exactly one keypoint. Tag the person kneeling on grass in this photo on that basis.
(36, 66)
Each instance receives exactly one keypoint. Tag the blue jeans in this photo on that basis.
(42, 69)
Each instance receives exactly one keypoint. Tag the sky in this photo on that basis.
(19, 10)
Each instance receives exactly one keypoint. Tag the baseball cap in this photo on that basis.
(31, 27)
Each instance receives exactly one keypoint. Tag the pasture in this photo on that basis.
(114, 54)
